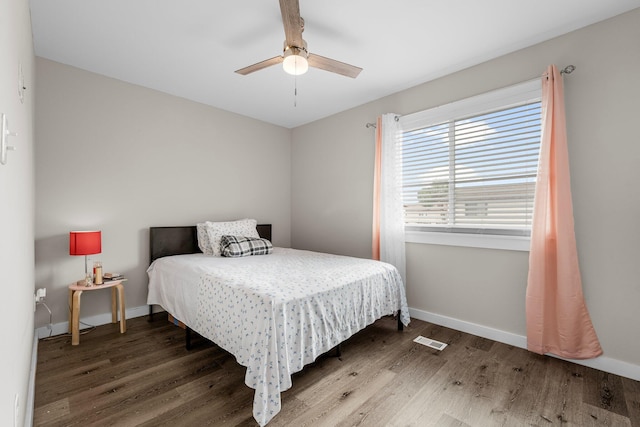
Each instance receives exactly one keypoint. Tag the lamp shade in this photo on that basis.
(295, 61)
(85, 242)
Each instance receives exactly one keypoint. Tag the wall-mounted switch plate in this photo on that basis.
(5, 133)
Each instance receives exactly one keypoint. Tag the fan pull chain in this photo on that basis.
(295, 91)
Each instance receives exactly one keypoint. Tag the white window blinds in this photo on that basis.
(470, 166)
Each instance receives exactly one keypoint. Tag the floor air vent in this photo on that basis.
(430, 343)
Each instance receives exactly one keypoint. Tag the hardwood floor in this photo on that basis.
(146, 377)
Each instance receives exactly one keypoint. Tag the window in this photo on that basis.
(470, 167)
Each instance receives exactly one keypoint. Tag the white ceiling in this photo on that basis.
(191, 48)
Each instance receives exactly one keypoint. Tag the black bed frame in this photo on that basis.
(183, 240)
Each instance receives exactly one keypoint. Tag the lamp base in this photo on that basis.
(88, 277)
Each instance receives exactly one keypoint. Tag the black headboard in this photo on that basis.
(166, 241)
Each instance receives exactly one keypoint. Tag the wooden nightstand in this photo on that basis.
(75, 291)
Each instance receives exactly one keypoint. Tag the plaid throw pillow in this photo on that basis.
(237, 246)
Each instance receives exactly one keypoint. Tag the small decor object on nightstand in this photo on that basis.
(97, 272)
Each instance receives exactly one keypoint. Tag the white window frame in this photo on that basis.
(511, 96)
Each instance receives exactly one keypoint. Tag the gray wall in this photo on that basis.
(121, 158)
(332, 170)
(16, 212)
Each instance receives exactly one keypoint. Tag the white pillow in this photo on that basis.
(203, 239)
(215, 231)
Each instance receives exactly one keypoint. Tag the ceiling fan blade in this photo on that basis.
(292, 22)
(333, 66)
(260, 65)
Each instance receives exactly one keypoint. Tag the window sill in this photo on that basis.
(509, 243)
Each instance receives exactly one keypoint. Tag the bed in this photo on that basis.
(275, 313)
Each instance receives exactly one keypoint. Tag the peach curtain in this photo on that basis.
(557, 318)
(376, 192)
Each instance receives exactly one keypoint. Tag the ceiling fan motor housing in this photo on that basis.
(295, 50)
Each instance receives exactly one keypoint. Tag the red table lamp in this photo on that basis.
(85, 243)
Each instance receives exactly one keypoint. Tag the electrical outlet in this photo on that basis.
(41, 294)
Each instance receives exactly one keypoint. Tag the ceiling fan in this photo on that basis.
(296, 59)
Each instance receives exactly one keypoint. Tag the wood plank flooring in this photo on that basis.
(146, 377)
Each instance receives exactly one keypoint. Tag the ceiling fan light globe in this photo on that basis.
(295, 64)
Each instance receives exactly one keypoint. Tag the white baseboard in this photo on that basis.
(31, 390)
(87, 322)
(603, 363)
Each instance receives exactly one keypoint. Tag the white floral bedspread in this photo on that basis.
(276, 313)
